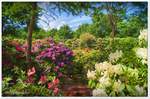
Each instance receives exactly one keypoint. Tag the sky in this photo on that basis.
(47, 22)
(72, 21)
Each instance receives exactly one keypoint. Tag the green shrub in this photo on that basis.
(125, 43)
(73, 43)
(85, 60)
(41, 34)
(99, 43)
(87, 40)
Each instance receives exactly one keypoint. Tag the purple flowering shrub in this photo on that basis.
(58, 55)
(49, 62)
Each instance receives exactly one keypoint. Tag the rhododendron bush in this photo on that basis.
(116, 78)
(49, 62)
(100, 69)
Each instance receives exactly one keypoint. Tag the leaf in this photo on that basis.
(7, 79)
(122, 86)
(122, 93)
(130, 89)
(112, 93)
(90, 82)
(93, 84)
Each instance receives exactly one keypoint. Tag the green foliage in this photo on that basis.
(84, 28)
(5, 83)
(40, 34)
(100, 26)
(53, 32)
(90, 44)
(65, 32)
(87, 40)
(121, 43)
(84, 60)
(73, 43)
(130, 27)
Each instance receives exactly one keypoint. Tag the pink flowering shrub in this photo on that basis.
(51, 59)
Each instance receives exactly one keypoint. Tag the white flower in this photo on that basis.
(99, 92)
(91, 74)
(143, 35)
(102, 66)
(139, 90)
(110, 70)
(115, 56)
(105, 81)
(141, 53)
(98, 67)
(117, 86)
(106, 65)
(118, 69)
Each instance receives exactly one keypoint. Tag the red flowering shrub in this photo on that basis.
(49, 60)
(47, 51)
(54, 86)
(30, 74)
(43, 79)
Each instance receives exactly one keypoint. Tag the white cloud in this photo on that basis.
(79, 19)
(72, 21)
(57, 24)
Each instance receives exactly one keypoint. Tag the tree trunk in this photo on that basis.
(113, 26)
(112, 23)
(30, 30)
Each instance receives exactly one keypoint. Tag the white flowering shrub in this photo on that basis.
(91, 74)
(143, 35)
(99, 92)
(109, 79)
(143, 38)
(115, 56)
(142, 54)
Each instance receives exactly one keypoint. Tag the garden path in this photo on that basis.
(75, 87)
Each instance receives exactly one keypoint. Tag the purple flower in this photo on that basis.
(58, 54)
(62, 64)
(60, 74)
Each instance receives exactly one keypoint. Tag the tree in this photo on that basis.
(115, 12)
(130, 27)
(65, 32)
(84, 28)
(53, 32)
(30, 30)
(26, 13)
(23, 14)
(100, 26)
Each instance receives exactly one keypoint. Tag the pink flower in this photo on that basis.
(60, 74)
(50, 85)
(38, 58)
(35, 49)
(18, 48)
(56, 81)
(62, 64)
(43, 79)
(31, 71)
(56, 91)
(56, 68)
(30, 79)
